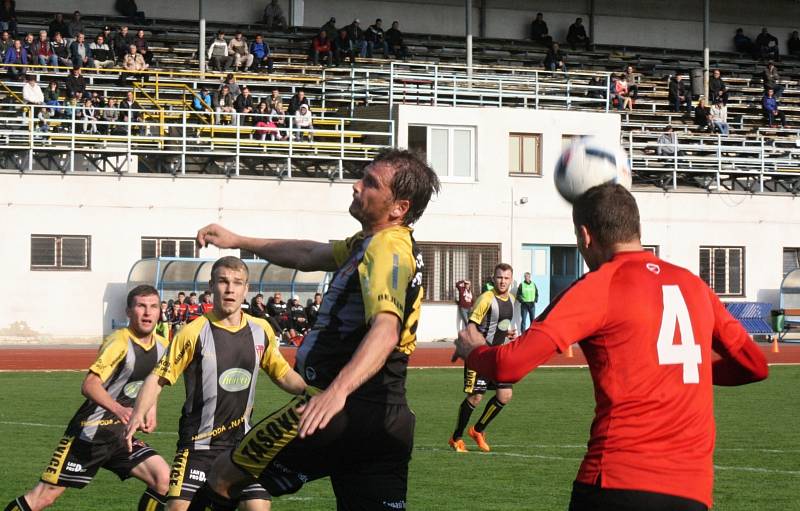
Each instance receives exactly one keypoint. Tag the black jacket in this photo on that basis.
(75, 84)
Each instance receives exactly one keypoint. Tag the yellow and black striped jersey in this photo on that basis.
(377, 273)
(122, 364)
(493, 316)
(220, 368)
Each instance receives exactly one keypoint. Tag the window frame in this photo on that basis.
(710, 280)
(653, 249)
(58, 249)
(447, 293)
(158, 249)
(537, 156)
(450, 177)
(796, 251)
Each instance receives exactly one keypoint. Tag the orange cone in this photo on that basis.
(569, 351)
(775, 348)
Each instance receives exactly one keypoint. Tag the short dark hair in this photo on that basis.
(503, 267)
(232, 263)
(192, 294)
(610, 214)
(413, 180)
(181, 293)
(143, 290)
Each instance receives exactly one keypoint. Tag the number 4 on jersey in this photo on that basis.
(687, 353)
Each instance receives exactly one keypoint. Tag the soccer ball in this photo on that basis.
(587, 162)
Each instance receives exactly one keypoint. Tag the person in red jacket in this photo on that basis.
(193, 309)
(321, 48)
(206, 304)
(648, 329)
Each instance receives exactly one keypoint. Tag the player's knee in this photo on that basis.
(474, 399)
(161, 482)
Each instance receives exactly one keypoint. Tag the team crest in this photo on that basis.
(259, 351)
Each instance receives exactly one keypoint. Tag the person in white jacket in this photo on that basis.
(31, 92)
(219, 57)
(303, 120)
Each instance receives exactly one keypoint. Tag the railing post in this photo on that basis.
(607, 95)
(675, 165)
(324, 71)
(291, 147)
(391, 89)
(366, 91)
(435, 85)
(569, 89)
(352, 91)
(761, 187)
(129, 156)
(500, 99)
(719, 160)
(341, 148)
(455, 86)
(31, 129)
(536, 90)
(72, 141)
(183, 142)
(238, 119)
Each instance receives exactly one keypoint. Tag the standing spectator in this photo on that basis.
(527, 296)
(298, 99)
(31, 92)
(257, 307)
(330, 26)
(630, 77)
(143, 48)
(576, 35)
(743, 44)
(375, 37)
(303, 121)
(224, 105)
(312, 311)
(89, 115)
(80, 51)
(176, 319)
(539, 31)
(394, 38)
(273, 16)
(193, 310)
(43, 52)
(238, 48)
(101, 52)
(58, 25)
(622, 93)
(343, 48)
(218, 56)
(321, 49)
(771, 110)
(678, 95)
(75, 25)
(122, 42)
(464, 300)
(702, 115)
(794, 44)
(357, 36)
(262, 58)
(5, 43)
(719, 117)
(206, 302)
(667, 142)
(554, 59)
(8, 16)
(182, 303)
(717, 88)
(767, 45)
(16, 55)
(203, 101)
(244, 105)
(61, 50)
(772, 80)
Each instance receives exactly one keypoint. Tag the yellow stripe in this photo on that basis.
(53, 470)
(488, 413)
(177, 473)
(469, 384)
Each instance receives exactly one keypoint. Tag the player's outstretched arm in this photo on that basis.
(93, 389)
(370, 356)
(303, 255)
(510, 362)
(291, 382)
(147, 398)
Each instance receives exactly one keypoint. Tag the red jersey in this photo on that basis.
(207, 307)
(647, 329)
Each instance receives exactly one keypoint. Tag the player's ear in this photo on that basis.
(584, 237)
(400, 208)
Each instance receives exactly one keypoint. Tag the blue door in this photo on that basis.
(540, 272)
(566, 265)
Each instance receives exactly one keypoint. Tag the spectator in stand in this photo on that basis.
(27, 45)
(576, 35)
(622, 93)
(772, 80)
(57, 25)
(375, 37)
(303, 121)
(667, 142)
(394, 38)
(554, 59)
(182, 303)
(630, 77)
(679, 95)
(16, 55)
(767, 45)
(238, 48)
(122, 42)
(61, 50)
(101, 52)
(218, 56)
(8, 16)
(233, 87)
(743, 44)
(75, 25)
(257, 307)
(223, 105)
(80, 51)
(343, 48)
(193, 309)
(265, 128)
(143, 48)
(298, 99)
(274, 99)
(133, 63)
(109, 116)
(273, 16)
(107, 37)
(719, 117)
(321, 49)
(464, 301)
(277, 116)
(202, 101)
(206, 302)
(702, 115)
(297, 318)
(89, 116)
(794, 44)
(5, 43)
(771, 109)
(244, 105)
(131, 110)
(277, 309)
(31, 92)
(539, 31)
(330, 26)
(42, 51)
(262, 58)
(312, 311)
(598, 88)
(717, 88)
(176, 319)
(356, 34)
(52, 96)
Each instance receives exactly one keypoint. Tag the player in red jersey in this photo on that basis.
(647, 328)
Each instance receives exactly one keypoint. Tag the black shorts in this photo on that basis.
(475, 384)
(587, 497)
(189, 470)
(75, 462)
(365, 450)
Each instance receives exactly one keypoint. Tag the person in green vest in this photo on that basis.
(527, 296)
(488, 285)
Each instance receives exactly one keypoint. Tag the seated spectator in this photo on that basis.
(242, 58)
(130, 110)
(622, 94)
(233, 87)
(743, 44)
(539, 31)
(554, 59)
(244, 105)
(297, 318)
(794, 44)
(702, 115)
(42, 51)
(262, 58)
(772, 111)
(101, 52)
(5, 43)
(343, 48)
(375, 37)
(356, 34)
(298, 99)
(143, 48)
(52, 95)
(274, 99)
(57, 25)
(8, 16)
(203, 101)
(667, 142)
(31, 92)
(630, 76)
(719, 117)
(44, 115)
(330, 26)
(598, 88)
(266, 129)
(76, 83)
(218, 55)
(257, 307)
(273, 16)
(679, 95)
(61, 50)
(108, 117)
(577, 35)
(394, 38)
(133, 63)
(717, 88)
(312, 311)
(277, 116)
(771, 80)
(303, 121)
(89, 116)
(122, 41)
(223, 104)
(321, 49)
(277, 309)
(18, 57)
(27, 45)
(767, 45)
(75, 25)
(80, 52)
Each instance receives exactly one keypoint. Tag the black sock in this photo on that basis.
(492, 410)
(18, 504)
(464, 413)
(151, 500)
(206, 499)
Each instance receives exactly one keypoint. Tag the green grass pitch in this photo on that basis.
(538, 442)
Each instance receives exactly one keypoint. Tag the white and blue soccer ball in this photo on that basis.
(588, 162)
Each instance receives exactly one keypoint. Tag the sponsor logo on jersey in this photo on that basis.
(132, 389)
(235, 379)
(504, 325)
(197, 475)
(653, 267)
(74, 467)
(311, 374)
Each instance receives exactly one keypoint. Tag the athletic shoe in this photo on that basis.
(457, 445)
(479, 439)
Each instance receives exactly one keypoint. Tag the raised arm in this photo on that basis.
(303, 255)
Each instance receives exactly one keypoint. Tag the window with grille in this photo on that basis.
(61, 252)
(722, 268)
(791, 260)
(450, 150)
(653, 249)
(447, 263)
(168, 247)
(525, 154)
